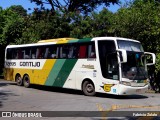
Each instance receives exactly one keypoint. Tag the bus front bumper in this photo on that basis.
(129, 90)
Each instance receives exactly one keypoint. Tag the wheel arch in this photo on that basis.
(87, 79)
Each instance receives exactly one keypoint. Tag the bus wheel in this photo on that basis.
(88, 88)
(155, 87)
(18, 80)
(26, 81)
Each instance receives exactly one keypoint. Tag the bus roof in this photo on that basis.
(53, 41)
(56, 40)
(69, 40)
(114, 38)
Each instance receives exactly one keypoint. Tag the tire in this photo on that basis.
(155, 87)
(88, 88)
(18, 80)
(26, 81)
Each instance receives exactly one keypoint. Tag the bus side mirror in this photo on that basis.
(151, 58)
(122, 55)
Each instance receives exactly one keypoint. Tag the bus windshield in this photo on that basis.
(135, 68)
(130, 45)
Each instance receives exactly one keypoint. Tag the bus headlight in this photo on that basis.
(125, 83)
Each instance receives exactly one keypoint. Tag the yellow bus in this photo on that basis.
(110, 65)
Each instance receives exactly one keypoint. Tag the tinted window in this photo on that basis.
(59, 51)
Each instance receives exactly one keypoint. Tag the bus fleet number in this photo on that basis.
(11, 63)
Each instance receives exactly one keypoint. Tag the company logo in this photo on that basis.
(107, 87)
(88, 66)
(21, 114)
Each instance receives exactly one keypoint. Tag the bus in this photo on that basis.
(111, 65)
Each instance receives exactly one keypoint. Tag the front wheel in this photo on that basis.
(155, 87)
(88, 88)
(26, 81)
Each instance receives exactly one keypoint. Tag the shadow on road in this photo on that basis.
(78, 92)
(4, 94)
(57, 89)
(134, 96)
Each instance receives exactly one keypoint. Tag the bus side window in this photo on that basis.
(75, 51)
(20, 54)
(50, 52)
(82, 51)
(33, 52)
(57, 52)
(91, 51)
(26, 53)
(14, 54)
(26, 57)
(46, 53)
(39, 53)
(53, 52)
(9, 53)
(70, 51)
(63, 53)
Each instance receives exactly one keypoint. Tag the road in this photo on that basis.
(40, 98)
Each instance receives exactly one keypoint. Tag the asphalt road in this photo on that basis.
(40, 98)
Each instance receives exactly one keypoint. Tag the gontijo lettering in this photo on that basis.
(30, 64)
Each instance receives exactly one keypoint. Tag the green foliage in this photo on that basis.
(19, 10)
(141, 20)
(97, 24)
(11, 25)
(157, 63)
(2, 20)
(66, 6)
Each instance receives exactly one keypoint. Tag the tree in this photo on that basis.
(41, 25)
(1, 22)
(84, 6)
(13, 24)
(140, 20)
(97, 24)
(19, 10)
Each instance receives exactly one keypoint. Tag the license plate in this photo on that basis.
(138, 90)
